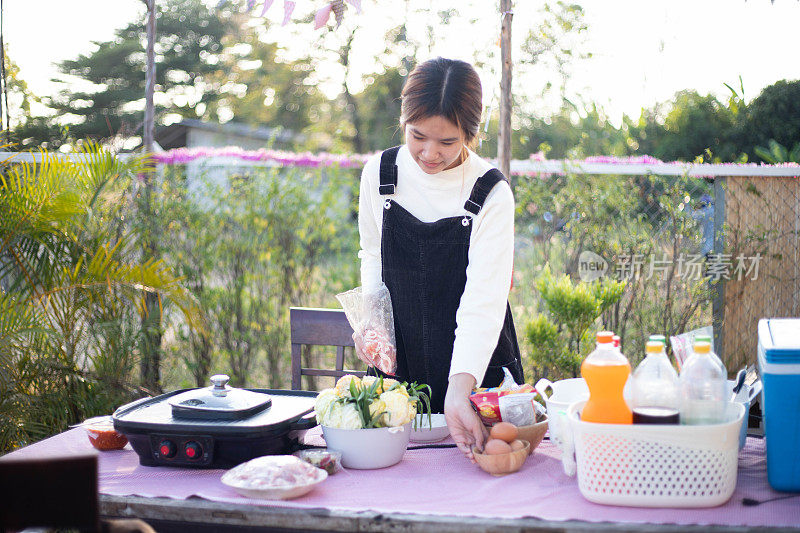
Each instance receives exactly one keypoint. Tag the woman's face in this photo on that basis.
(434, 143)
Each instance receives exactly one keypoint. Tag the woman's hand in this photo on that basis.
(465, 426)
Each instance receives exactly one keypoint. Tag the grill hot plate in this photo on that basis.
(164, 436)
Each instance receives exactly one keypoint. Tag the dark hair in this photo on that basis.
(448, 88)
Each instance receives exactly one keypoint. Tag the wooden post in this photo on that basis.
(150, 79)
(504, 127)
(151, 318)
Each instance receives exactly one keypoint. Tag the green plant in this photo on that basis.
(777, 153)
(72, 287)
(251, 246)
(574, 306)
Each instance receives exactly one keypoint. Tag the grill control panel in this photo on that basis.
(194, 450)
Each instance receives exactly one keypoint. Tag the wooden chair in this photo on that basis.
(56, 492)
(319, 327)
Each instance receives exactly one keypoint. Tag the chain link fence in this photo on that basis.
(691, 251)
(652, 233)
(759, 239)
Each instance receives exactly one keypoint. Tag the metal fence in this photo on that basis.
(696, 245)
(760, 239)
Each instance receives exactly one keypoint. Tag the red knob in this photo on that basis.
(193, 450)
(167, 448)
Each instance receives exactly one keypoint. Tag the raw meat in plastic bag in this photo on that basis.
(371, 317)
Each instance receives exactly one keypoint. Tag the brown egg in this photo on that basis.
(504, 431)
(496, 447)
(517, 445)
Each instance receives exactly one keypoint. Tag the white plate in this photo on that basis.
(430, 432)
(272, 493)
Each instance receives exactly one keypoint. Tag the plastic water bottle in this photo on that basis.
(606, 370)
(656, 389)
(658, 338)
(703, 387)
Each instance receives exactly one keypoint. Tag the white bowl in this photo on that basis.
(432, 431)
(368, 448)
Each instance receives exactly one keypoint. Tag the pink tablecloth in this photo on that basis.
(441, 482)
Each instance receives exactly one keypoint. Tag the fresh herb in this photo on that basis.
(362, 397)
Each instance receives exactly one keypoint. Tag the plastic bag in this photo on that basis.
(682, 344)
(370, 315)
(508, 402)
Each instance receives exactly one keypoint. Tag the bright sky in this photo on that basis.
(643, 51)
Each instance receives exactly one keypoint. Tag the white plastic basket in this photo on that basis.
(655, 465)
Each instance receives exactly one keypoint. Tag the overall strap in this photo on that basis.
(481, 190)
(388, 171)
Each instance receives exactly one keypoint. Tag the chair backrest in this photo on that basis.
(53, 492)
(319, 327)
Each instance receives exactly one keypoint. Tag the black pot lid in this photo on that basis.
(218, 402)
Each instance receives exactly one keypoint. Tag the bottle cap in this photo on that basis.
(702, 338)
(702, 347)
(605, 336)
(654, 347)
(616, 341)
(658, 338)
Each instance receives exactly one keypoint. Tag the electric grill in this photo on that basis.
(217, 426)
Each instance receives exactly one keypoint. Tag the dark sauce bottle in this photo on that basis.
(655, 415)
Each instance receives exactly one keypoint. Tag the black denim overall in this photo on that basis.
(424, 265)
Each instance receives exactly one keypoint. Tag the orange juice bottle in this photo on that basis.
(606, 370)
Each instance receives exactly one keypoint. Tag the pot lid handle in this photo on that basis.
(220, 382)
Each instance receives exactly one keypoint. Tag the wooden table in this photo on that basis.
(203, 516)
(199, 503)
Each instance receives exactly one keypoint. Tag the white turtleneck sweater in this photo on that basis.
(430, 197)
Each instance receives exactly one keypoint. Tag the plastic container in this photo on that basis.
(606, 370)
(563, 394)
(703, 387)
(655, 388)
(655, 465)
(746, 400)
(327, 460)
(102, 434)
(779, 365)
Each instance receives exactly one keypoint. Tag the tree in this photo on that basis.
(555, 41)
(188, 48)
(26, 130)
(773, 115)
(379, 106)
(270, 91)
(693, 126)
(560, 344)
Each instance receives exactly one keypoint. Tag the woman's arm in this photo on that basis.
(482, 309)
(369, 227)
(480, 315)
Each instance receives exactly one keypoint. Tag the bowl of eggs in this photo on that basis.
(503, 453)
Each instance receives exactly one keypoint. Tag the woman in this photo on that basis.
(437, 227)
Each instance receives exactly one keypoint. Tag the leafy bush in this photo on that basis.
(560, 344)
(252, 245)
(73, 282)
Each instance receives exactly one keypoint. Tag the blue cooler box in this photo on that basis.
(779, 363)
